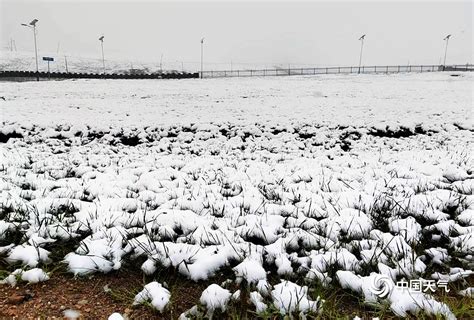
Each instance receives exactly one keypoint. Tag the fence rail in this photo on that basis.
(27, 75)
(332, 70)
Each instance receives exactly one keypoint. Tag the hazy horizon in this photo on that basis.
(312, 33)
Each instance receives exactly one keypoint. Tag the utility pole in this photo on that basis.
(65, 62)
(101, 39)
(446, 49)
(32, 25)
(36, 49)
(202, 57)
(161, 64)
(361, 48)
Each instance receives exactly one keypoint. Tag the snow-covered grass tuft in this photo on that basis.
(289, 297)
(215, 297)
(285, 207)
(156, 294)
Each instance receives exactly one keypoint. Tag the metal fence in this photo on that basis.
(333, 70)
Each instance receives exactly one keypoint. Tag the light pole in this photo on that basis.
(446, 49)
(182, 65)
(361, 48)
(32, 26)
(101, 39)
(202, 56)
(161, 64)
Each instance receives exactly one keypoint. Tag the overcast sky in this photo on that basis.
(311, 32)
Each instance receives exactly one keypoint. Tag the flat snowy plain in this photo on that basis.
(353, 181)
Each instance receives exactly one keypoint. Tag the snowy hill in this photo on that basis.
(25, 61)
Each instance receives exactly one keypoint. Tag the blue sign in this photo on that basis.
(48, 59)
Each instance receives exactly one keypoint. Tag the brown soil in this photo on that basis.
(49, 300)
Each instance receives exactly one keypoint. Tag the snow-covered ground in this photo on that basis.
(116, 63)
(341, 180)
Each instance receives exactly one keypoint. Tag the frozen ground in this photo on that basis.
(335, 180)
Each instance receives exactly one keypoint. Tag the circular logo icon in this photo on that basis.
(381, 285)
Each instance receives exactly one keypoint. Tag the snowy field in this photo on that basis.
(357, 181)
(116, 63)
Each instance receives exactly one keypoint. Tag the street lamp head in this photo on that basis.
(33, 23)
(362, 37)
(202, 40)
(101, 38)
(24, 25)
(447, 37)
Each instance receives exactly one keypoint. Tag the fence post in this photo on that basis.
(398, 69)
(351, 69)
(326, 70)
(251, 72)
(314, 70)
(338, 69)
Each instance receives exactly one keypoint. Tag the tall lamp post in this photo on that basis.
(446, 49)
(361, 48)
(101, 39)
(32, 26)
(202, 56)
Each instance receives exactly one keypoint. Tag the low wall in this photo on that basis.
(31, 75)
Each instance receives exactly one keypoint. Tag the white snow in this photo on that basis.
(156, 294)
(12, 278)
(289, 297)
(28, 255)
(71, 314)
(116, 316)
(257, 299)
(468, 292)
(302, 175)
(215, 297)
(34, 275)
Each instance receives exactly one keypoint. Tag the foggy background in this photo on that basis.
(243, 33)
